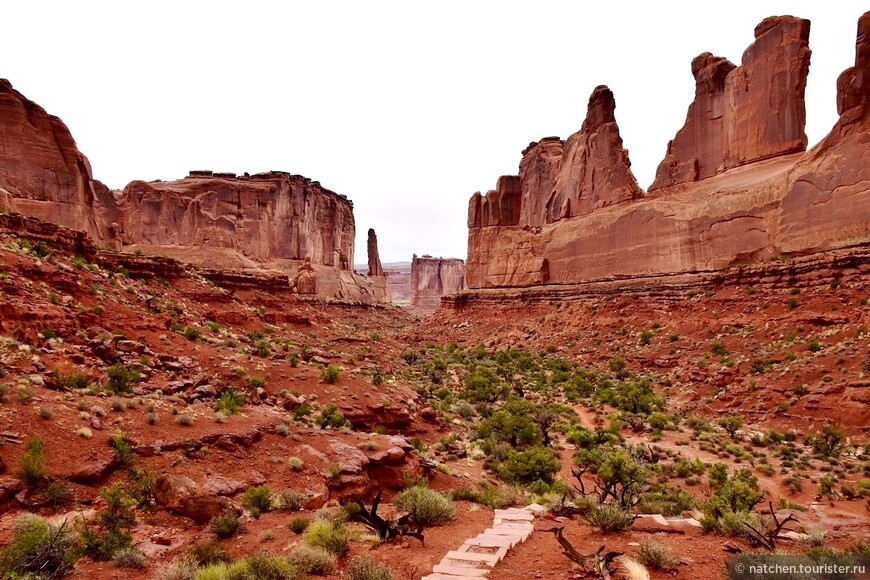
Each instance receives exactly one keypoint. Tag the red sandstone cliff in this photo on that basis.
(432, 278)
(747, 113)
(42, 172)
(269, 221)
(268, 216)
(735, 185)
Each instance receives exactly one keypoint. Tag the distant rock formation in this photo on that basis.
(736, 185)
(432, 278)
(376, 275)
(375, 268)
(271, 221)
(743, 114)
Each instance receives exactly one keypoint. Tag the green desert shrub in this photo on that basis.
(426, 506)
(313, 559)
(332, 536)
(121, 379)
(530, 465)
(329, 374)
(367, 568)
(330, 416)
(298, 525)
(225, 525)
(181, 568)
(257, 499)
(230, 402)
(32, 472)
(655, 555)
(209, 553)
(38, 550)
(129, 558)
(609, 518)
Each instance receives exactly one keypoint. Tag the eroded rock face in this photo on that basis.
(561, 179)
(558, 180)
(43, 173)
(266, 223)
(432, 278)
(375, 268)
(747, 113)
(265, 216)
(736, 185)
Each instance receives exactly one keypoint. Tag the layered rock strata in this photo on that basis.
(745, 113)
(42, 172)
(432, 278)
(734, 187)
(275, 223)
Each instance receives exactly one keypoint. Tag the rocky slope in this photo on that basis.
(734, 185)
(432, 278)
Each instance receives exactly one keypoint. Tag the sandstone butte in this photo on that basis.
(270, 222)
(432, 278)
(736, 184)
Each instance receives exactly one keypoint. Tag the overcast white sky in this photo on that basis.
(405, 107)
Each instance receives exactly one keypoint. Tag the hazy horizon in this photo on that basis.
(406, 109)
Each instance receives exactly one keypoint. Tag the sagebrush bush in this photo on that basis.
(32, 472)
(329, 374)
(121, 379)
(426, 506)
(610, 518)
(209, 553)
(225, 525)
(39, 549)
(655, 555)
(230, 402)
(263, 566)
(181, 568)
(257, 499)
(313, 559)
(367, 568)
(129, 558)
(329, 535)
(291, 501)
(298, 525)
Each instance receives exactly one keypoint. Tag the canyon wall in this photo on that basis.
(735, 185)
(267, 216)
(432, 278)
(271, 221)
(42, 172)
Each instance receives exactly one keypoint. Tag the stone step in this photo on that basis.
(490, 559)
(461, 571)
(513, 525)
(438, 576)
(485, 541)
(521, 535)
(521, 515)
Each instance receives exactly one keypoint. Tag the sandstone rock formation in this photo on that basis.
(42, 172)
(557, 181)
(432, 278)
(747, 113)
(560, 179)
(735, 186)
(268, 216)
(270, 222)
(375, 268)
